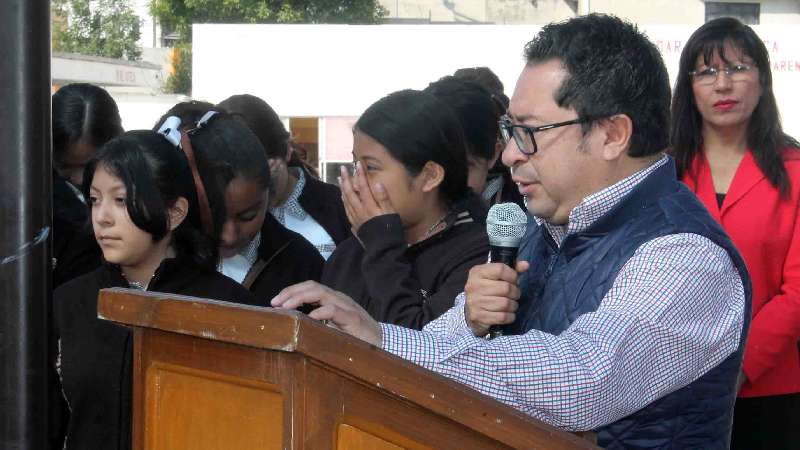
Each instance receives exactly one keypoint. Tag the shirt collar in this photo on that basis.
(292, 204)
(250, 251)
(596, 205)
(492, 188)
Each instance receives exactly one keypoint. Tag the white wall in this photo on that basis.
(140, 111)
(339, 70)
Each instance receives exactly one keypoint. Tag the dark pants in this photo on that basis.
(767, 423)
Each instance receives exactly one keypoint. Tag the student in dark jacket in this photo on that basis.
(84, 117)
(150, 241)
(256, 250)
(473, 106)
(409, 204)
(498, 186)
(299, 201)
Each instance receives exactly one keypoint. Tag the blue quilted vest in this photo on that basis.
(564, 283)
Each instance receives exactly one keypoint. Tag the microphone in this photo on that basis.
(505, 226)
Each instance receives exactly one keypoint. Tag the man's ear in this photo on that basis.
(432, 175)
(619, 129)
(178, 212)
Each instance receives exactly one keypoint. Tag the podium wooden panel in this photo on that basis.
(217, 375)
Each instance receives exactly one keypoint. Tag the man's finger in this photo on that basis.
(288, 291)
(307, 292)
(490, 288)
(493, 271)
(327, 312)
(494, 304)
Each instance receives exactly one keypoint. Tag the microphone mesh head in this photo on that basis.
(505, 224)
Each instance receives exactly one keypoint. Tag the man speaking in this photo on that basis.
(628, 311)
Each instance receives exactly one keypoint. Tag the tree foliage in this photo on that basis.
(179, 15)
(106, 28)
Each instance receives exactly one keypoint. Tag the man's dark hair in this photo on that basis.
(765, 136)
(612, 69)
(473, 106)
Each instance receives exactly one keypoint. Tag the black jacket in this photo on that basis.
(75, 251)
(96, 356)
(284, 258)
(323, 202)
(409, 285)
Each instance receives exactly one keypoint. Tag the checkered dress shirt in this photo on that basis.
(674, 311)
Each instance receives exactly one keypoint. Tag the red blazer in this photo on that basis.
(766, 230)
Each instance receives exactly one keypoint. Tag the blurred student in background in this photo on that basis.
(299, 201)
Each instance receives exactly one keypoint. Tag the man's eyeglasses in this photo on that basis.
(523, 134)
(737, 72)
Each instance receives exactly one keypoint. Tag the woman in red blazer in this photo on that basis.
(731, 151)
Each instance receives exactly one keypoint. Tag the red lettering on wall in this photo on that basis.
(669, 46)
(786, 66)
(125, 76)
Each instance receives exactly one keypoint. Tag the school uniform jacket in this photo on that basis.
(284, 258)
(409, 285)
(323, 202)
(95, 356)
(75, 251)
(765, 227)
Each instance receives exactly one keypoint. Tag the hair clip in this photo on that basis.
(206, 117)
(171, 129)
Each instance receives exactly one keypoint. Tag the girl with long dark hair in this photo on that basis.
(414, 238)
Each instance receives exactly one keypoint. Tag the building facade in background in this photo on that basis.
(653, 12)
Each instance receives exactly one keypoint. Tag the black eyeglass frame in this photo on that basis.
(507, 131)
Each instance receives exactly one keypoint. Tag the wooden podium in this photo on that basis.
(217, 375)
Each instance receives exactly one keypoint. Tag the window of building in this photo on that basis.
(748, 13)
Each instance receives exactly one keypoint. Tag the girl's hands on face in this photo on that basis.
(362, 202)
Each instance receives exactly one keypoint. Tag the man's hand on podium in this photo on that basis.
(338, 309)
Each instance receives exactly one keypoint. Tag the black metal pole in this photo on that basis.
(25, 219)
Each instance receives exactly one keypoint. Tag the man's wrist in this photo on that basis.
(476, 329)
